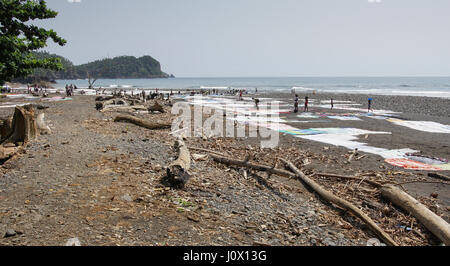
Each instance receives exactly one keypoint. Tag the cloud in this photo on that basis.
(74, 1)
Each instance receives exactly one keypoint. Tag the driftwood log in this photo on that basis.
(438, 226)
(120, 108)
(99, 105)
(342, 203)
(177, 171)
(439, 176)
(142, 123)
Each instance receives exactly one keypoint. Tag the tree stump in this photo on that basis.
(23, 127)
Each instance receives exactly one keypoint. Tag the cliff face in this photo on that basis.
(121, 67)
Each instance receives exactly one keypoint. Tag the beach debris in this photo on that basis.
(438, 226)
(353, 154)
(315, 186)
(177, 171)
(341, 203)
(142, 123)
(199, 157)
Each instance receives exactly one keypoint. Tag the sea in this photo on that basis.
(410, 86)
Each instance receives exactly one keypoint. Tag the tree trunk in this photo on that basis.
(438, 226)
(141, 122)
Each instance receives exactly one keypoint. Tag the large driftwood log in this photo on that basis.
(120, 108)
(177, 171)
(438, 226)
(342, 203)
(99, 105)
(141, 122)
(24, 127)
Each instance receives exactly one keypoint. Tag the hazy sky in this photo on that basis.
(253, 38)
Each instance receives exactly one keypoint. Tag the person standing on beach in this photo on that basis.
(143, 95)
(296, 104)
(256, 103)
(369, 105)
(306, 104)
(332, 103)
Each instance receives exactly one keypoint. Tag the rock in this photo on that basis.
(373, 242)
(127, 198)
(10, 233)
(327, 241)
(73, 242)
(157, 167)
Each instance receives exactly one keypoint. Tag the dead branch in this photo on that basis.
(258, 167)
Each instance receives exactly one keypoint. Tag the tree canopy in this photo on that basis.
(109, 68)
(19, 38)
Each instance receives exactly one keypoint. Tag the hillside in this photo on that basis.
(122, 67)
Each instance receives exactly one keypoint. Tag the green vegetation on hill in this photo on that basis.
(121, 67)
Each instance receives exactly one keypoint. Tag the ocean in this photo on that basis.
(410, 86)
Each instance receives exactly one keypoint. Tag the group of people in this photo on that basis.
(306, 108)
(69, 89)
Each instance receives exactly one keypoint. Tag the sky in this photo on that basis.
(261, 38)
